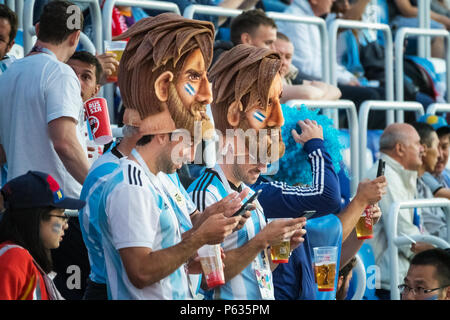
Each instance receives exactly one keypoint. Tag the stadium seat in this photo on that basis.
(274, 5)
(367, 256)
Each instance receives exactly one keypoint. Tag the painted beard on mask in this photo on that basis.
(272, 141)
(186, 116)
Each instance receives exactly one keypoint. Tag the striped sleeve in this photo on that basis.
(281, 200)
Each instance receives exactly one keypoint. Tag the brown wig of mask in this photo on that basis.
(158, 44)
(243, 75)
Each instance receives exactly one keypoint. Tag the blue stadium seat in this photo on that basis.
(274, 5)
(373, 143)
(368, 258)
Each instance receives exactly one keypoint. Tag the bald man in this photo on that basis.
(401, 149)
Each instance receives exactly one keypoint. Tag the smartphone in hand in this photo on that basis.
(247, 204)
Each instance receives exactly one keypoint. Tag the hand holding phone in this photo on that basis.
(247, 204)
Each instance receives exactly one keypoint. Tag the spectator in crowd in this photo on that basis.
(8, 31)
(433, 219)
(238, 175)
(441, 173)
(404, 13)
(428, 276)
(400, 147)
(297, 191)
(145, 259)
(33, 223)
(89, 72)
(308, 90)
(308, 52)
(181, 91)
(42, 107)
(345, 276)
(253, 27)
(247, 264)
(71, 282)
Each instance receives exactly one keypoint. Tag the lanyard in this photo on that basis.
(157, 185)
(40, 49)
(258, 209)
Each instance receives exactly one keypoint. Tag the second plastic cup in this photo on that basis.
(364, 227)
(211, 261)
(280, 252)
(98, 118)
(116, 47)
(325, 259)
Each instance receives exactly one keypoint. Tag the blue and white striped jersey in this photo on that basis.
(92, 190)
(137, 215)
(207, 190)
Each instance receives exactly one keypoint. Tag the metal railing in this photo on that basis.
(388, 55)
(352, 116)
(364, 109)
(398, 49)
(438, 107)
(395, 241)
(108, 89)
(193, 9)
(424, 15)
(29, 30)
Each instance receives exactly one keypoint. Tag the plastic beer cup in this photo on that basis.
(116, 47)
(325, 259)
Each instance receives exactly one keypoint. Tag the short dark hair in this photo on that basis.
(54, 21)
(282, 36)
(440, 259)
(8, 14)
(424, 130)
(22, 226)
(248, 22)
(144, 140)
(89, 58)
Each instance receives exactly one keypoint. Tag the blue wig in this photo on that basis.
(294, 166)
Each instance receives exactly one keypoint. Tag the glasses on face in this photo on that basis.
(419, 291)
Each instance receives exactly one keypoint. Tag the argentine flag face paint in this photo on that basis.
(258, 115)
(189, 89)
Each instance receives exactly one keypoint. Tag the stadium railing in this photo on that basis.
(194, 9)
(438, 107)
(388, 56)
(108, 89)
(395, 241)
(398, 52)
(423, 43)
(352, 117)
(17, 7)
(364, 109)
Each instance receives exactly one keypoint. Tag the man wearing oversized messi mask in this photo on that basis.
(165, 63)
(247, 88)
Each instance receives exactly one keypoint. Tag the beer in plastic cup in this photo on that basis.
(280, 252)
(211, 261)
(364, 227)
(325, 259)
(116, 47)
(98, 119)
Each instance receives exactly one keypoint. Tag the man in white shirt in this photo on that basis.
(401, 149)
(42, 112)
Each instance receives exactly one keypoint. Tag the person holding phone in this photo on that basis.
(248, 267)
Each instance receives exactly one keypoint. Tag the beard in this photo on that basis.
(189, 117)
(268, 142)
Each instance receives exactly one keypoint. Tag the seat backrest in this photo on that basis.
(368, 258)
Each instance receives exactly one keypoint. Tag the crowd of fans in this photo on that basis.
(144, 212)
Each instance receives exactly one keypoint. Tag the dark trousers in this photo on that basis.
(95, 291)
